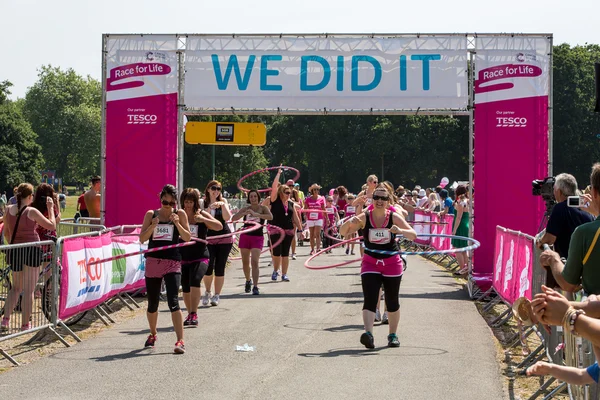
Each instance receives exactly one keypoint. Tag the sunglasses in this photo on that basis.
(384, 198)
(215, 188)
(375, 182)
(168, 203)
(287, 192)
(330, 201)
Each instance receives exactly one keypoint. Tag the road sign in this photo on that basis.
(226, 133)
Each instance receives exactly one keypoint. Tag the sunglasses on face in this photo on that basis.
(374, 182)
(215, 188)
(287, 192)
(168, 203)
(384, 198)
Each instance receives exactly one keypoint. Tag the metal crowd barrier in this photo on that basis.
(35, 291)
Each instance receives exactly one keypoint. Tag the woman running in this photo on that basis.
(20, 222)
(461, 227)
(285, 217)
(342, 200)
(251, 243)
(315, 219)
(164, 227)
(195, 258)
(380, 227)
(332, 218)
(219, 249)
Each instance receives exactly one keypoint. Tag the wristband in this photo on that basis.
(573, 320)
(567, 317)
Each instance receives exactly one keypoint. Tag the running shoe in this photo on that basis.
(26, 327)
(269, 264)
(4, 326)
(274, 275)
(179, 347)
(352, 253)
(194, 319)
(151, 341)
(367, 340)
(248, 286)
(188, 320)
(393, 340)
(384, 319)
(347, 250)
(255, 291)
(294, 256)
(284, 278)
(377, 316)
(205, 298)
(214, 301)
(311, 253)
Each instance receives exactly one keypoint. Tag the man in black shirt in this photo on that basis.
(564, 219)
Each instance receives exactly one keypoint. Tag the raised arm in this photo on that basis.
(274, 186)
(46, 223)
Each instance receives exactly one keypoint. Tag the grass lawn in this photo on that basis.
(71, 207)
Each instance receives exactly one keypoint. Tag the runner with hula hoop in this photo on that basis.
(380, 227)
(251, 243)
(285, 217)
(315, 204)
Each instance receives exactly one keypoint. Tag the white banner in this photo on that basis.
(84, 286)
(332, 73)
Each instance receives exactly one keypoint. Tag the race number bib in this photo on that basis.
(351, 210)
(194, 230)
(313, 216)
(329, 210)
(163, 232)
(252, 219)
(379, 236)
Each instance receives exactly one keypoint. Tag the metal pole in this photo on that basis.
(180, 113)
(103, 133)
(213, 162)
(382, 169)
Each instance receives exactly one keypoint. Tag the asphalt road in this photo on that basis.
(306, 334)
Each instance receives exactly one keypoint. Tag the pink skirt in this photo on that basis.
(391, 266)
(251, 242)
(158, 267)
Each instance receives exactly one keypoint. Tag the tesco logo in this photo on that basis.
(141, 119)
(511, 122)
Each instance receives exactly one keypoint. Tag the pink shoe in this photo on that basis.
(26, 327)
(4, 325)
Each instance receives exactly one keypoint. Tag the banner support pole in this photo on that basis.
(213, 162)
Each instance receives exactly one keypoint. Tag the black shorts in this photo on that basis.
(84, 213)
(17, 258)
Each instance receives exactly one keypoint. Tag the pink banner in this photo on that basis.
(141, 141)
(85, 286)
(511, 127)
(513, 266)
(435, 225)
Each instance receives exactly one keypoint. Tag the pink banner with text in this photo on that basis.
(513, 266)
(511, 138)
(141, 125)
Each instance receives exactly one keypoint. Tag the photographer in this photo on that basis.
(564, 219)
(584, 249)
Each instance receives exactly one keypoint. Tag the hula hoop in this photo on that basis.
(251, 229)
(271, 245)
(307, 211)
(328, 236)
(136, 253)
(328, 248)
(243, 178)
(475, 245)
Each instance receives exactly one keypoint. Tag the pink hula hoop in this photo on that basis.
(253, 228)
(328, 248)
(309, 210)
(271, 245)
(243, 178)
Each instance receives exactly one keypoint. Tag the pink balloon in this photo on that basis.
(331, 192)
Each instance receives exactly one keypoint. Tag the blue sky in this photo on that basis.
(67, 33)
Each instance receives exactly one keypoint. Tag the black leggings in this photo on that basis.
(218, 258)
(172, 282)
(283, 249)
(371, 283)
(192, 274)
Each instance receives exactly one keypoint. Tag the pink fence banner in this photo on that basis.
(511, 107)
(421, 216)
(513, 266)
(141, 124)
(84, 286)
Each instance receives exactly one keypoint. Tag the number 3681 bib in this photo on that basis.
(163, 232)
(379, 236)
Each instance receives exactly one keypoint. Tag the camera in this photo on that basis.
(576, 201)
(545, 188)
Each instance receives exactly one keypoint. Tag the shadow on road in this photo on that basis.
(125, 356)
(403, 351)
(318, 326)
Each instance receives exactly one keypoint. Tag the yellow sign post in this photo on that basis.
(226, 133)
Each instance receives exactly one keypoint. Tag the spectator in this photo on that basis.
(63, 201)
(13, 199)
(564, 219)
(584, 253)
(81, 207)
(300, 192)
(422, 198)
(432, 205)
(447, 206)
(92, 198)
(461, 227)
(4, 197)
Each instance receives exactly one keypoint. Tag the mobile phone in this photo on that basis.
(575, 201)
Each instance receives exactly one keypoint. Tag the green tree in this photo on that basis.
(20, 156)
(64, 110)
